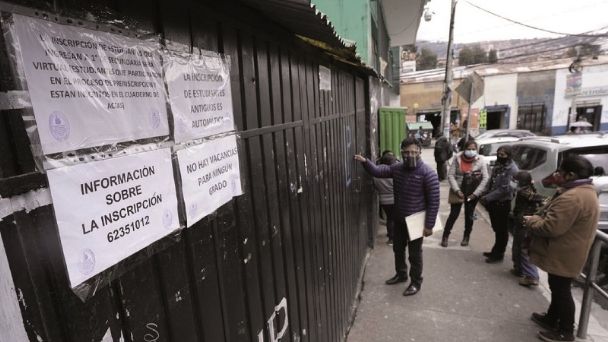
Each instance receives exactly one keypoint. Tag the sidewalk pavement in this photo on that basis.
(462, 297)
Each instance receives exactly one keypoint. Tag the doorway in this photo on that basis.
(434, 118)
(494, 120)
(590, 114)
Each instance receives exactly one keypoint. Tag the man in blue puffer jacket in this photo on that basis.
(416, 188)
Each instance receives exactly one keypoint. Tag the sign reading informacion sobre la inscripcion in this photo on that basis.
(210, 176)
(90, 88)
(200, 95)
(123, 205)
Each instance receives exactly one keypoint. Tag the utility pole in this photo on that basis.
(447, 91)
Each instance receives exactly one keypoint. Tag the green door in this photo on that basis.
(392, 128)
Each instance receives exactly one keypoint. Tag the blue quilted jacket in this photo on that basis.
(415, 190)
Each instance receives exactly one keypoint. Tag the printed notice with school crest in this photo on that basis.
(89, 88)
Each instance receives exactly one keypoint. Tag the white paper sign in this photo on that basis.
(200, 96)
(90, 88)
(210, 176)
(110, 209)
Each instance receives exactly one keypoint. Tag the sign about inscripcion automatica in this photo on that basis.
(200, 95)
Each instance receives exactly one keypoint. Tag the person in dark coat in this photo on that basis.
(527, 202)
(416, 189)
(443, 152)
(498, 202)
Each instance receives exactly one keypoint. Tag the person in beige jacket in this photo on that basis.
(468, 177)
(562, 236)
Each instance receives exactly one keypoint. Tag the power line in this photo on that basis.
(534, 27)
(535, 53)
(549, 40)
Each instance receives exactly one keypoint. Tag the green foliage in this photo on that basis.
(492, 56)
(426, 59)
(472, 55)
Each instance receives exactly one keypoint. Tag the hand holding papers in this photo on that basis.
(415, 225)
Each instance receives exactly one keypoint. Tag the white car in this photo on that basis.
(601, 183)
(503, 133)
(541, 155)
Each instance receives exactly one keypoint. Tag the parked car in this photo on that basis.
(503, 133)
(541, 155)
(489, 146)
(601, 183)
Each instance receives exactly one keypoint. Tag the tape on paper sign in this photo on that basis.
(90, 88)
(210, 176)
(110, 209)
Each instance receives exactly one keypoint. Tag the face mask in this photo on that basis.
(514, 185)
(410, 162)
(558, 179)
(502, 160)
(470, 153)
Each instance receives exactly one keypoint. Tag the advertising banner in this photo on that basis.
(90, 88)
(210, 176)
(200, 96)
(110, 209)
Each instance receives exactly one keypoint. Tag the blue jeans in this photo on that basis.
(521, 246)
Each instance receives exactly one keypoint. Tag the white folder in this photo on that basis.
(415, 224)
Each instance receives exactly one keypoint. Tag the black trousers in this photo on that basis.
(400, 242)
(561, 308)
(442, 170)
(499, 218)
(469, 211)
(390, 221)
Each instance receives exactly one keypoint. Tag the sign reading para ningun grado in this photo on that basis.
(108, 210)
(210, 176)
(90, 88)
(199, 94)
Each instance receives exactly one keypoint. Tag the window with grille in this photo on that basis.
(531, 117)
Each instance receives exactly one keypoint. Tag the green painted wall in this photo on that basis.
(351, 18)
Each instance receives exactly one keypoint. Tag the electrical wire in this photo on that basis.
(534, 27)
(535, 53)
(549, 40)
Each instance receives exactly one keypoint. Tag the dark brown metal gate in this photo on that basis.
(298, 233)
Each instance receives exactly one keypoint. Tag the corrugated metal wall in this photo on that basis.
(299, 233)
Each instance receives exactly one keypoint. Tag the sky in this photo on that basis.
(474, 25)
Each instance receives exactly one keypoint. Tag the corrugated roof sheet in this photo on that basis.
(302, 18)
